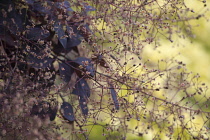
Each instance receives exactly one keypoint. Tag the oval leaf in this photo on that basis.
(65, 71)
(85, 65)
(89, 8)
(61, 34)
(83, 105)
(13, 19)
(63, 5)
(114, 97)
(37, 33)
(74, 38)
(82, 89)
(52, 113)
(67, 111)
(43, 7)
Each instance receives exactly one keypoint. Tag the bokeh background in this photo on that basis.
(193, 51)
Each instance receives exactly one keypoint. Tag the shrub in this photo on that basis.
(79, 65)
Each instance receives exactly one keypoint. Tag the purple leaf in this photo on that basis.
(37, 33)
(89, 8)
(40, 7)
(82, 89)
(83, 105)
(29, 1)
(52, 113)
(74, 38)
(65, 71)
(85, 65)
(61, 34)
(114, 97)
(63, 5)
(67, 111)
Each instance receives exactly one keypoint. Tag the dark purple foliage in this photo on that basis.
(67, 111)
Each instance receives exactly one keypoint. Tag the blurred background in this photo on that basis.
(193, 51)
